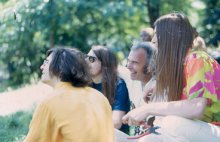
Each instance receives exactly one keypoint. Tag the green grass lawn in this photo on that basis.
(14, 127)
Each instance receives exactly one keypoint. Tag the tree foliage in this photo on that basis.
(35, 26)
(30, 27)
(211, 23)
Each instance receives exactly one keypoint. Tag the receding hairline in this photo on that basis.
(141, 54)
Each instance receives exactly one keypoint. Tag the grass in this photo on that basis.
(14, 128)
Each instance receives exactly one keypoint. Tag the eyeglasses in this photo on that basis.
(91, 59)
(45, 62)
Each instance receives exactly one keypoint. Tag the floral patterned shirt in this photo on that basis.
(202, 79)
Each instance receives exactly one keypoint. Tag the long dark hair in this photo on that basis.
(175, 37)
(109, 71)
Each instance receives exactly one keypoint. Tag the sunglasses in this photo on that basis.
(91, 59)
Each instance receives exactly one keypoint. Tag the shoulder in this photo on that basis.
(91, 90)
(95, 94)
(196, 60)
(121, 84)
(58, 95)
(122, 90)
(199, 56)
(120, 81)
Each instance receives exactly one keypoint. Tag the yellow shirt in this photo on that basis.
(72, 115)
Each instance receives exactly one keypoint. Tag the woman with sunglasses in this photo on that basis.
(103, 69)
(67, 116)
(191, 81)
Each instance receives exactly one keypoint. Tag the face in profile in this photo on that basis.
(45, 77)
(136, 63)
(94, 64)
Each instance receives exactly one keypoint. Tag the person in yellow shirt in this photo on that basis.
(75, 112)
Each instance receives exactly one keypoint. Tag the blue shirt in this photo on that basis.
(121, 101)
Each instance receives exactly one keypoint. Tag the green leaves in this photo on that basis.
(211, 23)
(35, 26)
(29, 28)
(14, 128)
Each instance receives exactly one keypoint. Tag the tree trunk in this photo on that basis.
(153, 7)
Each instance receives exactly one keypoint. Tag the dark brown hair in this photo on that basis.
(109, 71)
(69, 65)
(175, 37)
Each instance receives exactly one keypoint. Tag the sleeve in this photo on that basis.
(122, 101)
(200, 79)
(39, 129)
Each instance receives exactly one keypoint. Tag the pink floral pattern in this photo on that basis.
(202, 75)
(202, 79)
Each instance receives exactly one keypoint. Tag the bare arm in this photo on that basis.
(191, 109)
(117, 118)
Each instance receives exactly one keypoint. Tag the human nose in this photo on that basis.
(42, 66)
(154, 40)
(128, 65)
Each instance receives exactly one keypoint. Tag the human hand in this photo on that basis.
(149, 90)
(135, 116)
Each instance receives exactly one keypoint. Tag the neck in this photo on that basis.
(97, 79)
(54, 82)
(146, 79)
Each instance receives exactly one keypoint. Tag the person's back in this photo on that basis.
(67, 123)
(74, 112)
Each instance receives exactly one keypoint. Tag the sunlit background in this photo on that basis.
(28, 28)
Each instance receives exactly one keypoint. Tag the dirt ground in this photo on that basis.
(23, 99)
